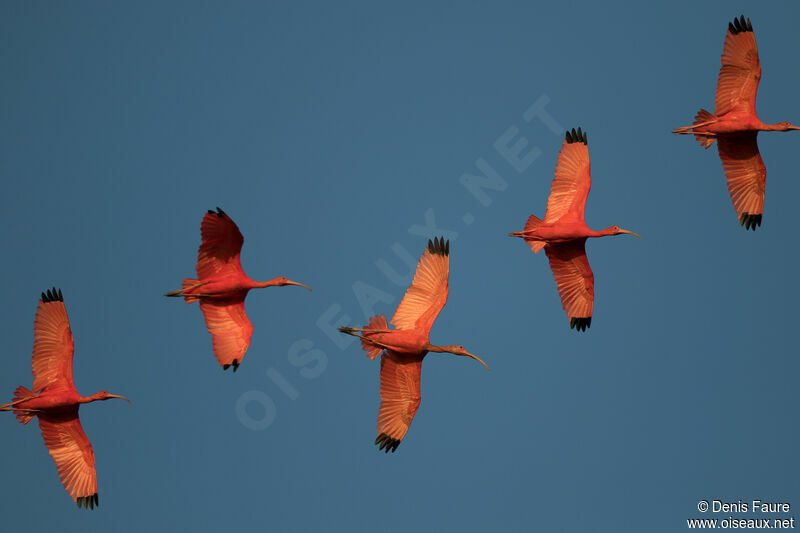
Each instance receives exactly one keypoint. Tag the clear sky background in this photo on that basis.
(327, 132)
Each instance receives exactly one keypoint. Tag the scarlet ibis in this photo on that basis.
(735, 124)
(221, 287)
(55, 402)
(404, 348)
(563, 232)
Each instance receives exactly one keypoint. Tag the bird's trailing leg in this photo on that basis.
(350, 331)
(10, 406)
(686, 129)
(179, 292)
(705, 133)
(19, 409)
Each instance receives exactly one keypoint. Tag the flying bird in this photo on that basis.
(404, 348)
(55, 401)
(735, 125)
(221, 287)
(563, 232)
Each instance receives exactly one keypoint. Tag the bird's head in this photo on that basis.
(282, 281)
(457, 349)
(616, 230)
(787, 126)
(105, 395)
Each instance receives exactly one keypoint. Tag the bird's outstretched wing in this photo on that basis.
(738, 79)
(221, 245)
(575, 280)
(72, 452)
(53, 346)
(572, 181)
(746, 174)
(427, 294)
(230, 329)
(400, 397)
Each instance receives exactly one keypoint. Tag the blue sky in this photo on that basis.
(329, 133)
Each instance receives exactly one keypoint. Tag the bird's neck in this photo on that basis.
(438, 349)
(601, 233)
(772, 127)
(90, 399)
(263, 284)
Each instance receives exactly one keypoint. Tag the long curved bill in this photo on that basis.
(298, 284)
(477, 359)
(120, 397)
(794, 127)
(629, 233)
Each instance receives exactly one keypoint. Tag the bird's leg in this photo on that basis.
(366, 330)
(179, 292)
(7, 406)
(686, 129)
(349, 331)
(706, 133)
(19, 409)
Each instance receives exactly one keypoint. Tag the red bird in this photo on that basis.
(55, 401)
(563, 232)
(405, 347)
(221, 287)
(735, 124)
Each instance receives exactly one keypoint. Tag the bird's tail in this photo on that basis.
(531, 225)
(377, 322)
(22, 394)
(703, 117)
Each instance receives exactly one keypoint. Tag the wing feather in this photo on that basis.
(53, 346)
(230, 328)
(572, 180)
(72, 452)
(221, 245)
(573, 276)
(740, 73)
(400, 397)
(426, 296)
(745, 172)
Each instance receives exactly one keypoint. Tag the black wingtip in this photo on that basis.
(386, 443)
(580, 323)
(439, 246)
(740, 25)
(88, 502)
(750, 221)
(219, 212)
(576, 137)
(235, 364)
(52, 295)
